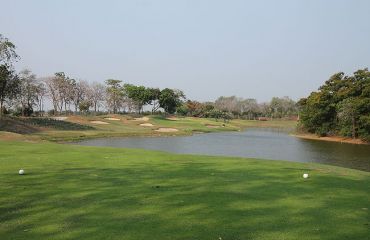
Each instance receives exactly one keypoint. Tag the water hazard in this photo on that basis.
(252, 143)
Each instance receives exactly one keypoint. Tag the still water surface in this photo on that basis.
(253, 143)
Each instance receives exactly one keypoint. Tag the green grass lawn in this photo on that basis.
(75, 192)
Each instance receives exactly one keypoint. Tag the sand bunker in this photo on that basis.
(167, 130)
(212, 126)
(145, 119)
(60, 118)
(173, 118)
(146, 125)
(112, 119)
(99, 122)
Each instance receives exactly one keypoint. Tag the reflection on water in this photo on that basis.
(253, 143)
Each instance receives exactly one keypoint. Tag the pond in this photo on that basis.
(262, 143)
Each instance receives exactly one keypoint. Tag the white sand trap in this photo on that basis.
(167, 130)
(146, 125)
(99, 122)
(113, 119)
(60, 118)
(144, 119)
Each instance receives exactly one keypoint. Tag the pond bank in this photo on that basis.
(330, 139)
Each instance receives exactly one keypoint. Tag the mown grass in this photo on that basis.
(75, 192)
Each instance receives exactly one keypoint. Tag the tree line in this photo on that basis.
(24, 94)
(341, 106)
(236, 107)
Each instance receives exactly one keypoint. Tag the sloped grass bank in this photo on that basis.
(75, 192)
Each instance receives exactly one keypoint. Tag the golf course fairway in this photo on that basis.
(76, 192)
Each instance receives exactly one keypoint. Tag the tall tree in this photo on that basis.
(41, 92)
(154, 94)
(80, 90)
(170, 99)
(9, 85)
(97, 95)
(139, 94)
(51, 84)
(115, 94)
(28, 91)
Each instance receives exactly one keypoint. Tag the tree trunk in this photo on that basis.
(1, 108)
(353, 127)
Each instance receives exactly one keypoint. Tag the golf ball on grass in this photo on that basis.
(21, 172)
(305, 175)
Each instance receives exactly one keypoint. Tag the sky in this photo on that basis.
(207, 48)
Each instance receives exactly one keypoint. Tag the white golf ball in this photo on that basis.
(21, 172)
(305, 175)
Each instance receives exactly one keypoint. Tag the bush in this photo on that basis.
(51, 112)
(4, 110)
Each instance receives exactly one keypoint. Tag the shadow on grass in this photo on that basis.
(180, 200)
(29, 125)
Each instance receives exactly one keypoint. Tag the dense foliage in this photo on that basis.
(235, 107)
(340, 107)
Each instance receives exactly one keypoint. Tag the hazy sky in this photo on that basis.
(252, 49)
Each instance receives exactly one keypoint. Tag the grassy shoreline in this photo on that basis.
(79, 192)
(127, 126)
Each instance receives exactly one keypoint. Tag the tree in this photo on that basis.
(348, 116)
(138, 94)
(7, 51)
(84, 105)
(115, 94)
(229, 104)
(40, 95)
(154, 94)
(51, 84)
(9, 82)
(282, 107)
(170, 99)
(64, 89)
(194, 108)
(60, 90)
(340, 106)
(249, 107)
(9, 85)
(28, 91)
(97, 95)
(79, 91)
